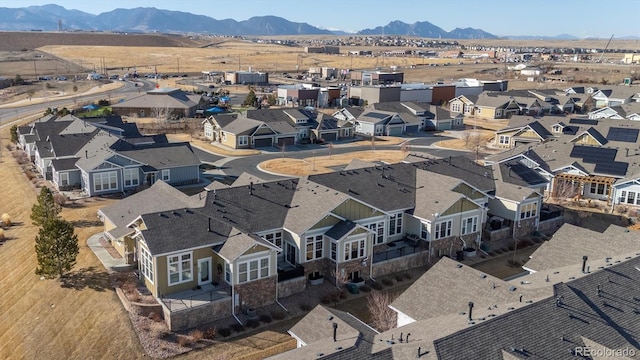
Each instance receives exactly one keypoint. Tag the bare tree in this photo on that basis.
(405, 148)
(382, 317)
(466, 137)
(564, 190)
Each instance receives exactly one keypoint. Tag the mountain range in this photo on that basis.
(148, 19)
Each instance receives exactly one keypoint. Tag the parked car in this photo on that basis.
(61, 78)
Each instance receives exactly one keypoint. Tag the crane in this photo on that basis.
(605, 49)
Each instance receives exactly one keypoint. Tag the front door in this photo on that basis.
(151, 178)
(204, 271)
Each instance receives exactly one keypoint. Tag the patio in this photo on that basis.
(407, 246)
(187, 299)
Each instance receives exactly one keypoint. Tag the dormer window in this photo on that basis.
(557, 128)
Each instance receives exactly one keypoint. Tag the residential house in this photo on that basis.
(463, 104)
(268, 238)
(615, 95)
(162, 103)
(586, 159)
(626, 192)
(531, 132)
(495, 106)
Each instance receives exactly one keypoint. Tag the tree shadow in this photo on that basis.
(86, 223)
(90, 277)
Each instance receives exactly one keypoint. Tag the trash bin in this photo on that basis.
(353, 288)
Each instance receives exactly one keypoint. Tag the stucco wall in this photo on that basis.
(189, 318)
(400, 264)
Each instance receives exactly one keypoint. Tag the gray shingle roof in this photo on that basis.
(516, 173)
(341, 229)
(570, 243)
(162, 156)
(430, 202)
(553, 328)
(310, 204)
(162, 100)
(64, 164)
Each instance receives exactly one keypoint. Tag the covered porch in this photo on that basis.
(573, 186)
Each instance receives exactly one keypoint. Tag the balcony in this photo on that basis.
(411, 244)
(287, 271)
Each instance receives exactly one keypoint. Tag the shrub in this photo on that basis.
(6, 219)
(387, 282)
(155, 316)
(225, 332)
(407, 275)
(365, 288)
(399, 278)
(29, 175)
(1, 234)
(183, 341)
(305, 307)
(511, 247)
(59, 199)
(196, 335)
(253, 323)
(326, 299)
(237, 328)
(210, 333)
(265, 319)
(376, 286)
(278, 315)
(342, 294)
(622, 209)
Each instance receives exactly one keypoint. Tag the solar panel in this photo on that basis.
(615, 168)
(377, 115)
(583, 121)
(594, 155)
(622, 134)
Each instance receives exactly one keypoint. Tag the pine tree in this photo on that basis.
(56, 248)
(251, 99)
(14, 133)
(45, 209)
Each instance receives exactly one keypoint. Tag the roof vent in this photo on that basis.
(459, 266)
(512, 288)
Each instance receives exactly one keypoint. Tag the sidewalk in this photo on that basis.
(109, 263)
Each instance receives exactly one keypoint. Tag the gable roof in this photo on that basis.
(162, 99)
(162, 156)
(429, 202)
(238, 243)
(310, 203)
(570, 243)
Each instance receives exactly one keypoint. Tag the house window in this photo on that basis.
(528, 210)
(424, 231)
(227, 273)
(131, 177)
(378, 229)
(479, 110)
(105, 181)
(629, 197)
(314, 247)
(469, 225)
(180, 269)
(166, 175)
(455, 107)
(598, 189)
(253, 270)
(208, 131)
(395, 224)
(557, 128)
(304, 133)
(504, 140)
(64, 178)
(468, 108)
(354, 249)
(243, 140)
(146, 266)
(443, 229)
(334, 251)
(274, 238)
(224, 135)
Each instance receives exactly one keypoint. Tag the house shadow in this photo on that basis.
(90, 277)
(86, 223)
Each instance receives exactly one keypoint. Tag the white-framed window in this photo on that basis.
(598, 189)
(275, 238)
(455, 107)
(395, 224)
(629, 197)
(354, 249)
(557, 128)
(180, 268)
(303, 133)
(243, 140)
(166, 175)
(146, 265)
(424, 231)
(468, 108)
(498, 113)
(504, 140)
(469, 225)
(227, 273)
(252, 270)
(528, 210)
(105, 181)
(378, 229)
(314, 247)
(63, 177)
(334, 251)
(223, 135)
(208, 130)
(443, 229)
(479, 111)
(131, 177)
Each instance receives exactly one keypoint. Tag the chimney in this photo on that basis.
(470, 309)
(584, 262)
(335, 331)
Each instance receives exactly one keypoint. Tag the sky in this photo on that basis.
(581, 18)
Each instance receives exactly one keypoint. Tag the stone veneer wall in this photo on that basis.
(326, 267)
(257, 293)
(550, 226)
(526, 227)
(189, 318)
(355, 265)
(400, 264)
(291, 286)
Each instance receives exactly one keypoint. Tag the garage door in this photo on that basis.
(329, 136)
(263, 142)
(412, 129)
(395, 131)
(286, 141)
